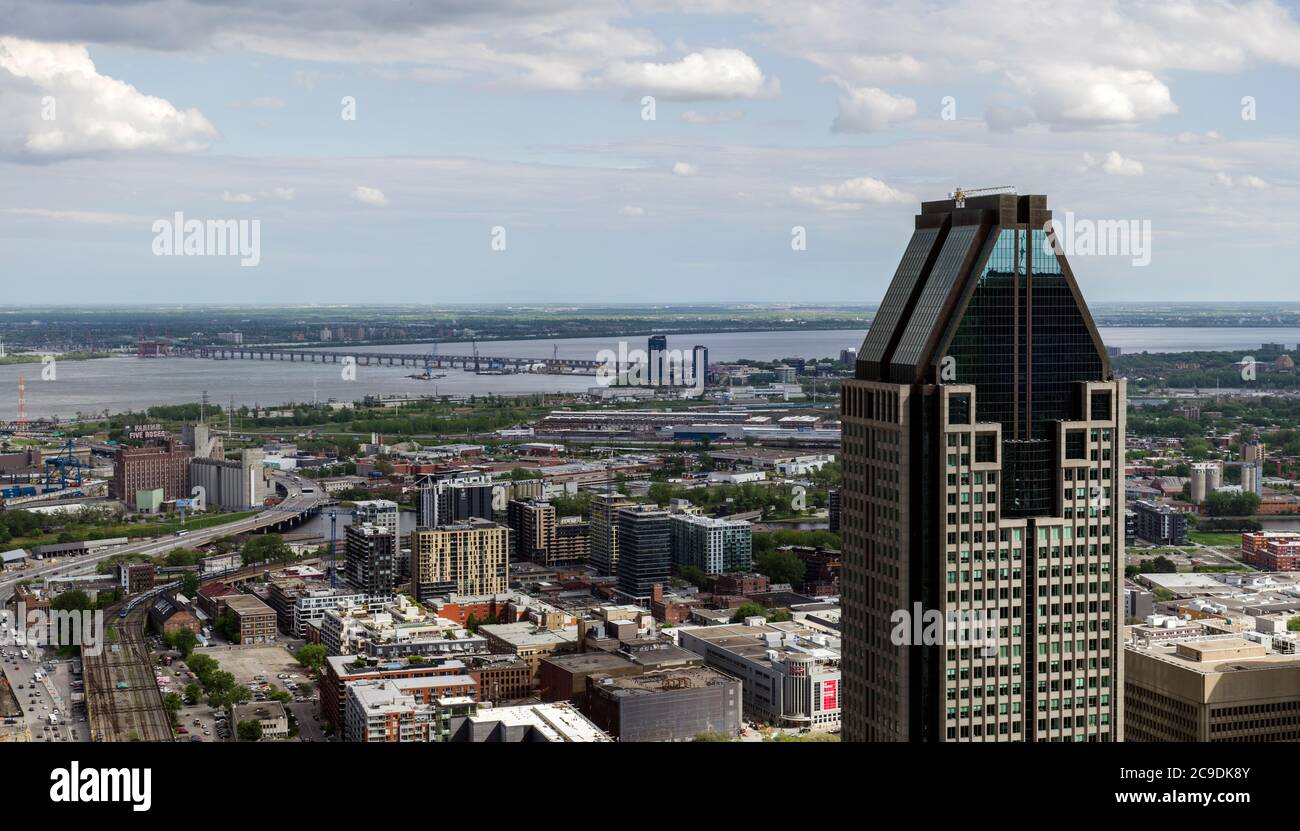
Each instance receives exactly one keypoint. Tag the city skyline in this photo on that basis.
(385, 138)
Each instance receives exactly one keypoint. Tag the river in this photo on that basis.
(128, 383)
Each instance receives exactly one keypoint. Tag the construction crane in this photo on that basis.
(63, 462)
(960, 194)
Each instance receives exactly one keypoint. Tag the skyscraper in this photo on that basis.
(371, 559)
(656, 355)
(604, 531)
(645, 551)
(468, 557)
(983, 444)
(715, 546)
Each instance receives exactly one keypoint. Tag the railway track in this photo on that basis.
(123, 702)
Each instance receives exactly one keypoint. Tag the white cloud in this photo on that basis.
(369, 196)
(1082, 96)
(1246, 181)
(707, 74)
(54, 104)
(1117, 165)
(685, 169)
(631, 210)
(850, 195)
(868, 110)
(85, 217)
(1113, 165)
(282, 194)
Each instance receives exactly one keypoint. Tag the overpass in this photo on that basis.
(295, 507)
(426, 360)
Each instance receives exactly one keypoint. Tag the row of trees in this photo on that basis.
(218, 685)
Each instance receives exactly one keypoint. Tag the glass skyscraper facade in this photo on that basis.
(983, 462)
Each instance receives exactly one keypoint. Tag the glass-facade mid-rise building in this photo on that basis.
(983, 442)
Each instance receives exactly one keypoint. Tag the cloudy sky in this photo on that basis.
(509, 151)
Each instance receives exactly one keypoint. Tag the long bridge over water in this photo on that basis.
(427, 360)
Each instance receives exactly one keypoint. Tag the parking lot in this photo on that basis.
(257, 667)
(39, 699)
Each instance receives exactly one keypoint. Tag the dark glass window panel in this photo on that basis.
(1101, 409)
(959, 409)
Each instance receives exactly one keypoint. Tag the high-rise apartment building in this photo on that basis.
(604, 531)
(645, 551)
(381, 513)
(442, 501)
(467, 558)
(371, 565)
(532, 529)
(983, 442)
(716, 546)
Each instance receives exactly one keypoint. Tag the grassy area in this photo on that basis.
(130, 529)
(1214, 537)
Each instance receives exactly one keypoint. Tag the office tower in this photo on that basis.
(468, 557)
(644, 551)
(604, 531)
(833, 509)
(983, 444)
(700, 364)
(716, 546)
(657, 358)
(1206, 685)
(532, 529)
(371, 559)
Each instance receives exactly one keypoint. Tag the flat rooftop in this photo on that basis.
(1216, 654)
(529, 634)
(247, 604)
(663, 681)
(558, 722)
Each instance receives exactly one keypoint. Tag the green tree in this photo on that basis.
(312, 656)
(713, 737)
(183, 641)
(750, 609)
(172, 703)
(249, 730)
(781, 567)
(227, 626)
(693, 575)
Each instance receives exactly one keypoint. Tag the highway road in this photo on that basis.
(295, 502)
